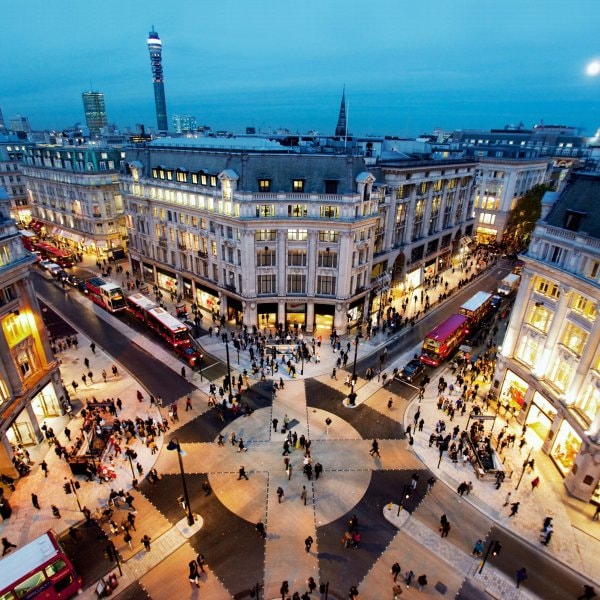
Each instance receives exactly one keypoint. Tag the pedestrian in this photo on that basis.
(514, 509)
(34, 501)
(286, 448)
(353, 593)
(93, 347)
(44, 467)
(104, 375)
(308, 542)
(260, 527)
(396, 570)
(188, 403)
(430, 484)
(241, 447)
(303, 494)
(242, 473)
(55, 511)
(84, 379)
(279, 494)
(547, 535)
(375, 449)
(507, 499)
(146, 542)
(408, 577)
(115, 371)
(7, 546)
(478, 548)
(193, 575)
(521, 576)
(275, 423)
(67, 432)
(334, 373)
(414, 480)
(422, 581)
(289, 470)
(318, 470)
(390, 403)
(127, 539)
(445, 529)
(201, 561)
(535, 483)
(86, 362)
(588, 593)
(183, 372)
(129, 501)
(284, 589)
(139, 395)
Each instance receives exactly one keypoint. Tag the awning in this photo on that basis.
(69, 235)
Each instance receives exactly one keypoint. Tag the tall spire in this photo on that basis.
(341, 129)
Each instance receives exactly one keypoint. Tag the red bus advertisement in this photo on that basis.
(40, 569)
(107, 295)
(476, 308)
(49, 252)
(29, 239)
(440, 342)
(174, 333)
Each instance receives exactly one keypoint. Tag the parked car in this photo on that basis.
(74, 281)
(49, 266)
(412, 370)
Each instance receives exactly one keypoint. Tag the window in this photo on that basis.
(213, 247)
(584, 306)
(561, 373)
(297, 234)
(437, 185)
(328, 259)
(265, 210)
(556, 254)
(265, 235)
(297, 258)
(423, 188)
(213, 181)
(266, 258)
(329, 236)
(329, 212)
(296, 283)
(547, 288)
(326, 285)
(528, 348)
(589, 402)
(539, 317)
(264, 185)
(297, 211)
(331, 186)
(266, 284)
(594, 270)
(574, 338)
(298, 185)
(7, 294)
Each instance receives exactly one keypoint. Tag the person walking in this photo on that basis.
(7, 546)
(507, 499)
(535, 483)
(260, 527)
(146, 541)
(396, 570)
(408, 577)
(445, 529)
(286, 448)
(93, 347)
(318, 470)
(275, 423)
(284, 589)
(194, 575)
(241, 447)
(128, 539)
(303, 494)
(521, 576)
(308, 542)
(55, 511)
(67, 433)
(334, 373)
(104, 375)
(514, 509)
(478, 548)
(375, 449)
(201, 561)
(35, 501)
(279, 494)
(312, 585)
(44, 467)
(242, 473)
(588, 593)
(188, 403)
(422, 581)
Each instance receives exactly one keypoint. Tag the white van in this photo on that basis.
(509, 284)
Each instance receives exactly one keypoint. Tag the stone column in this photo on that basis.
(310, 316)
(556, 326)
(34, 422)
(585, 362)
(582, 479)
(518, 314)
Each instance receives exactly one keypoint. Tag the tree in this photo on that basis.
(522, 219)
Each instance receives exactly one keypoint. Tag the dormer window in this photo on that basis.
(573, 219)
(264, 185)
(298, 186)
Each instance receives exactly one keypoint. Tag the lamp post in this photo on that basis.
(523, 471)
(352, 394)
(228, 366)
(494, 548)
(406, 489)
(174, 445)
(128, 455)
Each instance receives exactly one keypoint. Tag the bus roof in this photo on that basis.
(111, 287)
(23, 560)
(167, 319)
(476, 301)
(28, 234)
(449, 326)
(141, 301)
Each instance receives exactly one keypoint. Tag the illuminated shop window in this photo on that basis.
(528, 348)
(561, 373)
(589, 402)
(539, 317)
(584, 306)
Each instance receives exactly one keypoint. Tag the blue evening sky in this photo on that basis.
(408, 66)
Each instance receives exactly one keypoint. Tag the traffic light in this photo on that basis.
(67, 488)
(496, 549)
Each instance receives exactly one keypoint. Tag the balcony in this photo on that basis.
(181, 246)
(202, 254)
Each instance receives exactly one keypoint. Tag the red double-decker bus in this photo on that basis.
(440, 342)
(40, 569)
(476, 308)
(49, 252)
(172, 331)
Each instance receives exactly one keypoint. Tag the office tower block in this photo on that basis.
(155, 49)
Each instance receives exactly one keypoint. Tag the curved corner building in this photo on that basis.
(155, 49)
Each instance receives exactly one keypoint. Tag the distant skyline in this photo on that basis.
(408, 67)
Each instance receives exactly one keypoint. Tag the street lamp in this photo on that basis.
(406, 490)
(352, 394)
(494, 548)
(226, 338)
(174, 445)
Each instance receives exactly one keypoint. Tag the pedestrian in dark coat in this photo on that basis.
(396, 570)
(34, 501)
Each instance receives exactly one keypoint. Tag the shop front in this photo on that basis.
(235, 311)
(413, 279)
(356, 313)
(148, 273)
(207, 299)
(429, 270)
(324, 314)
(512, 394)
(567, 445)
(187, 291)
(166, 280)
(267, 315)
(540, 416)
(295, 315)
